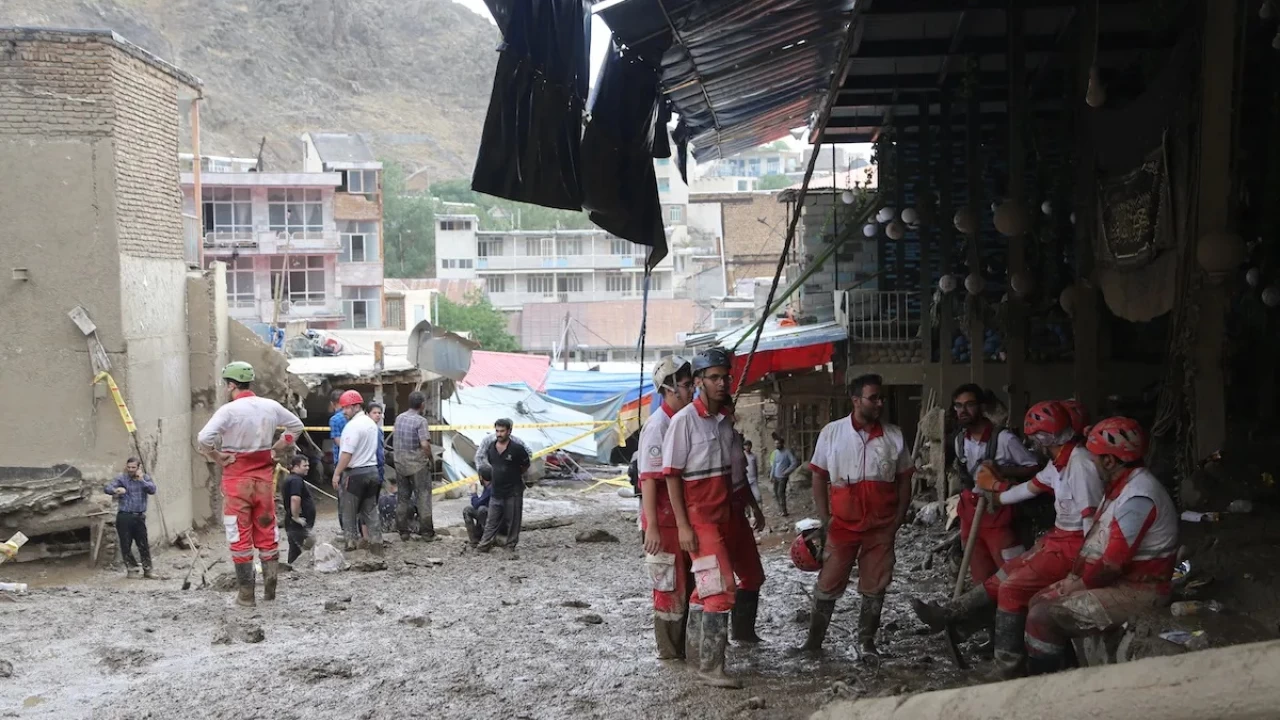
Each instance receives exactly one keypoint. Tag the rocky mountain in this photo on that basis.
(413, 76)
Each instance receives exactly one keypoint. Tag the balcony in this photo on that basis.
(271, 242)
(566, 262)
(883, 325)
(263, 310)
(519, 299)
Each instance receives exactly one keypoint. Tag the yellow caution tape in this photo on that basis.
(115, 393)
(620, 481)
(545, 451)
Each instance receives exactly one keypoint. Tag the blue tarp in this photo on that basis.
(584, 387)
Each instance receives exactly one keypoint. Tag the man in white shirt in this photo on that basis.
(861, 488)
(240, 437)
(358, 466)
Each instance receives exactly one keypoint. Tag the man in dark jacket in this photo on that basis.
(299, 505)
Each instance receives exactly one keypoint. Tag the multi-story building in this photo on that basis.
(758, 162)
(298, 245)
(519, 267)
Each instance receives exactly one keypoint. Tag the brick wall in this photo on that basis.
(751, 247)
(54, 86)
(355, 207)
(148, 194)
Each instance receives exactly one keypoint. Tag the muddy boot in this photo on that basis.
(131, 572)
(245, 583)
(270, 576)
(819, 620)
(1010, 650)
(667, 635)
(938, 615)
(869, 624)
(693, 635)
(746, 605)
(715, 639)
(146, 573)
(1045, 664)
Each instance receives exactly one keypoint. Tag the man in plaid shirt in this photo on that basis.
(130, 489)
(411, 442)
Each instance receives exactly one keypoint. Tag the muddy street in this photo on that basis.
(560, 629)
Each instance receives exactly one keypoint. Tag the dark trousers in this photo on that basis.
(413, 491)
(780, 493)
(475, 520)
(359, 506)
(504, 511)
(132, 528)
(297, 535)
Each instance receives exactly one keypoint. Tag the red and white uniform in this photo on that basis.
(863, 467)
(247, 427)
(667, 604)
(742, 540)
(1073, 479)
(997, 543)
(698, 450)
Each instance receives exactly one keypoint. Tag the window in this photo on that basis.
(540, 247)
(663, 161)
(599, 356)
(304, 281)
(395, 313)
(774, 165)
(360, 305)
(359, 241)
(675, 214)
(743, 185)
(655, 282)
(362, 182)
(455, 224)
(495, 283)
(544, 284)
(664, 184)
(618, 246)
(457, 264)
(228, 213)
(753, 167)
(569, 247)
(295, 211)
(618, 283)
(489, 247)
(569, 283)
(240, 292)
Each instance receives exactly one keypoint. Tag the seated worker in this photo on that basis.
(1126, 563)
(475, 515)
(1073, 479)
(299, 506)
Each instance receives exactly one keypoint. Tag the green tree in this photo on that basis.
(774, 182)
(486, 324)
(408, 227)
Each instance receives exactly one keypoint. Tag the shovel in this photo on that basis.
(971, 542)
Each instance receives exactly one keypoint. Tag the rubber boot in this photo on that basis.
(938, 615)
(1010, 649)
(667, 636)
(693, 635)
(146, 573)
(869, 624)
(1045, 664)
(819, 621)
(245, 583)
(270, 576)
(746, 605)
(715, 639)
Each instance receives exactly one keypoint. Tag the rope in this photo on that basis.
(820, 129)
(644, 321)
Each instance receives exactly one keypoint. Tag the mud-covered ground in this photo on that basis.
(475, 636)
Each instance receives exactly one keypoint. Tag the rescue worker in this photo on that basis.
(1079, 417)
(977, 442)
(668, 565)
(1077, 489)
(861, 491)
(1126, 563)
(356, 476)
(697, 459)
(742, 548)
(246, 428)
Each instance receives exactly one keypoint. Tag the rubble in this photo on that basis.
(595, 536)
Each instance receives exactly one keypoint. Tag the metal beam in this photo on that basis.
(916, 81)
(991, 45)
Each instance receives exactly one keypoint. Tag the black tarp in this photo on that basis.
(530, 150)
(626, 131)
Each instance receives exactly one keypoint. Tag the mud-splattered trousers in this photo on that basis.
(1049, 561)
(249, 507)
(743, 551)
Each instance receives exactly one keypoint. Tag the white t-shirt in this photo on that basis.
(360, 438)
(849, 455)
(1009, 451)
(248, 424)
(1076, 489)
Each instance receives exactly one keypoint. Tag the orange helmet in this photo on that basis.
(1079, 418)
(803, 554)
(350, 397)
(1048, 417)
(1119, 436)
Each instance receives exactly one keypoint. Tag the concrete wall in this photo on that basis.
(208, 329)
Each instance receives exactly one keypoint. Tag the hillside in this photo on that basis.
(413, 75)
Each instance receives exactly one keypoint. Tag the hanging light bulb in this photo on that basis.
(1011, 219)
(895, 230)
(947, 283)
(870, 230)
(1073, 218)
(1275, 42)
(910, 216)
(846, 197)
(1046, 207)
(1096, 95)
(886, 214)
(975, 284)
(1253, 277)
(965, 221)
(1271, 296)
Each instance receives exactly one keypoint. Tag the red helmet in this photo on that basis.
(350, 397)
(1119, 436)
(1079, 418)
(1047, 417)
(803, 554)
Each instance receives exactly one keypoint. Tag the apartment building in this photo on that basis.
(298, 245)
(519, 267)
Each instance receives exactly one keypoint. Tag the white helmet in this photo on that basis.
(666, 368)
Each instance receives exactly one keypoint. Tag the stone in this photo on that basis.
(250, 634)
(334, 605)
(6, 669)
(371, 565)
(580, 604)
(590, 619)
(595, 536)
(417, 621)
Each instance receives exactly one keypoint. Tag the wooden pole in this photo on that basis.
(1085, 316)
